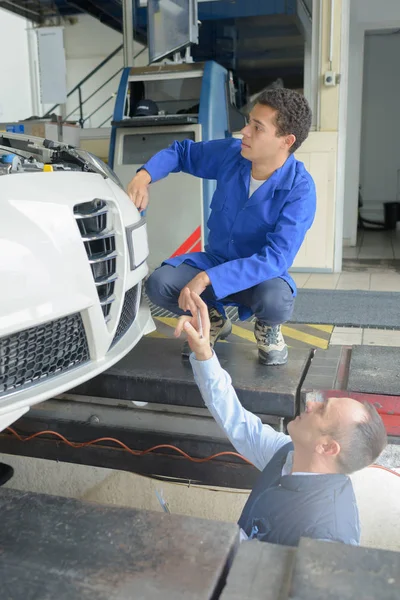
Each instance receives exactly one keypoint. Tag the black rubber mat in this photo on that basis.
(348, 308)
(375, 370)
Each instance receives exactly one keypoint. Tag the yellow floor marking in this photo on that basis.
(243, 333)
(326, 328)
(156, 334)
(170, 321)
(311, 340)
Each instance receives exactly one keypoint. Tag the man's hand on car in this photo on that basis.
(138, 190)
(199, 344)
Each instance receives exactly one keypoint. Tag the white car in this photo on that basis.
(73, 251)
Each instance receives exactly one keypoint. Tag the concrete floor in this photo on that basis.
(377, 492)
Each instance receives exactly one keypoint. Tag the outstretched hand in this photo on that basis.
(197, 327)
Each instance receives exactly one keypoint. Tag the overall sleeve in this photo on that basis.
(279, 251)
(202, 159)
(251, 438)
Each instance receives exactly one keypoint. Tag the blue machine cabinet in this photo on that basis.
(189, 93)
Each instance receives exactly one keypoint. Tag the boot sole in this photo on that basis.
(274, 358)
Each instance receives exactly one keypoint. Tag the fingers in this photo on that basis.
(144, 200)
(139, 194)
(203, 308)
(180, 325)
(184, 298)
(192, 334)
(191, 305)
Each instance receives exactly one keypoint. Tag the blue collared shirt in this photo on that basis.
(251, 239)
(252, 438)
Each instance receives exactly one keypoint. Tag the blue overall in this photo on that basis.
(251, 240)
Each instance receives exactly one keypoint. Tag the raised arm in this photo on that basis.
(202, 159)
(251, 438)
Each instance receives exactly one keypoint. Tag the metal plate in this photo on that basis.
(66, 549)
(155, 372)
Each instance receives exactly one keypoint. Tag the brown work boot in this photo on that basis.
(272, 349)
(220, 328)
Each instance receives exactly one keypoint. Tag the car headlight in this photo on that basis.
(138, 244)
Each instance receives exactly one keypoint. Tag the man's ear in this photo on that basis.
(289, 140)
(328, 447)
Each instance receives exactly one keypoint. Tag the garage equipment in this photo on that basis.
(195, 101)
(175, 417)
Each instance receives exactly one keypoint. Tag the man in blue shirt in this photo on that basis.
(304, 489)
(260, 212)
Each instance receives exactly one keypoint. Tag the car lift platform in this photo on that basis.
(155, 372)
(67, 549)
(150, 439)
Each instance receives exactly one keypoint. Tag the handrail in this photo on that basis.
(99, 107)
(78, 88)
(93, 94)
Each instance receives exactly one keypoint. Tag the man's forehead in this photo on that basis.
(262, 112)
(346, 407)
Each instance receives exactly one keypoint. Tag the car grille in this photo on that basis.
(93, 222)
(129, 312)
(33, 355)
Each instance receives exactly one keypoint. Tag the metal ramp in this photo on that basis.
(67, 549)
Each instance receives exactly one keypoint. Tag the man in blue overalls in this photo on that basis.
(260, 212)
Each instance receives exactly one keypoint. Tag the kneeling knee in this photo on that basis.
(152, 287)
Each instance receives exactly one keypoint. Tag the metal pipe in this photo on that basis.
(127, 17)
(319, 64)
(99, 107)
(305, 8)
(93, 94)
(331, 34)
(104, 122)
(81, 120)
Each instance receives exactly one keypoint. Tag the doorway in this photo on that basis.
(378, 235)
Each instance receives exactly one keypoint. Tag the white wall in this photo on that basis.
(365, 15)
(380, 131)
(87, 43)
(15, 90)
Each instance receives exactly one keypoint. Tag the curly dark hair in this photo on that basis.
(293, 113)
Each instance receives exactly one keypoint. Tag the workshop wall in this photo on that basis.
(87, 43)
(15, 91)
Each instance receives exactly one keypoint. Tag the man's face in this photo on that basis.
(260, 141)
(308, 431)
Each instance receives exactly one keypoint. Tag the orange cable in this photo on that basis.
(125, 447)
(384, 469)
(143, 452)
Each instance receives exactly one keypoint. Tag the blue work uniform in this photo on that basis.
(250, 240)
